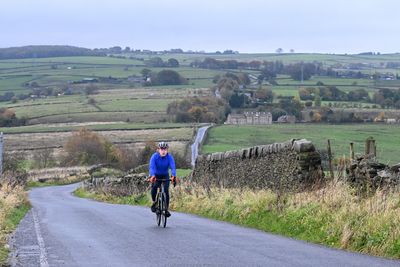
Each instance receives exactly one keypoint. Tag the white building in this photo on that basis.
(250, 118)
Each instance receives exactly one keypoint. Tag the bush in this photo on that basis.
(147, 152)
(86, 147)
(167, 77)
(8, 118)
(127, 159)
(14, 162)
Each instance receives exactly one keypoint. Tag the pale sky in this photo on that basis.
(340, 26)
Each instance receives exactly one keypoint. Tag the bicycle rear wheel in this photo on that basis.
(163, 210)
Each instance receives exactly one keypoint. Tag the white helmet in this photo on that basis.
(163, 145)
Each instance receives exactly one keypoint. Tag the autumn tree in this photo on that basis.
(87, 147)
(264, 94)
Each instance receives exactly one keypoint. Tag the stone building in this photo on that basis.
(250, 118)
(286, 119)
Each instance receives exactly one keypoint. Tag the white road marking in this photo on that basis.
(42, 249)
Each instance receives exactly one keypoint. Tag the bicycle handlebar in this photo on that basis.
(161, 180)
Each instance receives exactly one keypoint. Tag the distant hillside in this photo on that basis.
(41, 51)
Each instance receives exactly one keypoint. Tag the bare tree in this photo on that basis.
(44, 158)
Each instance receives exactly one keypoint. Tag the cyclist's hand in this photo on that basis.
(174, 180)
(152, 179)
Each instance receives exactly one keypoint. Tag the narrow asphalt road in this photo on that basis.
(63, 230)
(196, 144)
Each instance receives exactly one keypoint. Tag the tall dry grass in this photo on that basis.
(13, 206)
(334, 215)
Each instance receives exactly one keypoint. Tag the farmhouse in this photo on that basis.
(250, 118)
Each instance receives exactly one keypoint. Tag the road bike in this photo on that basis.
(161, 204)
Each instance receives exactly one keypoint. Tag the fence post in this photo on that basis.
(330, 159)
(367, 146)
(352, 150)
(370, 147)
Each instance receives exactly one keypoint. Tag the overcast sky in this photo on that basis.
(340, 26)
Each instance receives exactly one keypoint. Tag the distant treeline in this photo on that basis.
(41, 51)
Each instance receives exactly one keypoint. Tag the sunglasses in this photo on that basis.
(162, 148)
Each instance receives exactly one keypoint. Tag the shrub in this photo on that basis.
(86, 147)
(148, 150)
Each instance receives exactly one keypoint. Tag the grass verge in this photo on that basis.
(334, 216)
(13, 207)
(143, 199)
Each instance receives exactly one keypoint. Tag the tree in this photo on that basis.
(316, 117)
(44, 158)
(196, 109)
(172, 62)
(91, 89)
(91, 101)
(155, 62)
(266, 74)
(292, 105)
(237, 100)
(196, 112)
(279, 50)
(168, 77)
(84, 147)
(301, 71)
(307, 93)
(381, 117)
(264, 94)
(145, 72)
(358, 95)
(308, 103)
(115, 50)
(278, 112)
(317, 101)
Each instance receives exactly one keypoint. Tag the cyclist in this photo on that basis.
(160, 163)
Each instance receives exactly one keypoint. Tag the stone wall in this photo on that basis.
(131, 183)
(292, 165)
(365, 172)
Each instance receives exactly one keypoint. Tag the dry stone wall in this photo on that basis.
(132, 183)
(287, 166)
(365, 172)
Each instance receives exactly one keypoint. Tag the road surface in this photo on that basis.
(63, 230)
(195, 146)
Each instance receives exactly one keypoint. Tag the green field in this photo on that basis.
(151, 102)
(147, 103)
(95, 127)
(14, 74)
(59, 72)
(224, 138)
(326, 59)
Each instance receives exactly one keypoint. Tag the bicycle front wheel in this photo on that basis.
(158, 210)
(163, 210)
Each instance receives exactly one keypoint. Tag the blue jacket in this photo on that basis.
(160, 165)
